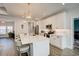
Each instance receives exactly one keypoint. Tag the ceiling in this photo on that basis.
(71, 6)
(38, 10)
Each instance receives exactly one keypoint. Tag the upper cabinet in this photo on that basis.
(57, 21)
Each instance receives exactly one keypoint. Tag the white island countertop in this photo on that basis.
(30, 39)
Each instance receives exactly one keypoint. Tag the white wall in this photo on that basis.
(70, 15)
(18, 29)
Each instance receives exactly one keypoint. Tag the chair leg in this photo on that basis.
(20, 54)
(19, 51)
(28, 53)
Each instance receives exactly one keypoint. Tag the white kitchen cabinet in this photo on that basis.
(41, 48)
(58, 41)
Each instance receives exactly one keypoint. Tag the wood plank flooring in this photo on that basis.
(7, 47)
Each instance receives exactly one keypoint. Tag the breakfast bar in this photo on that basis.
(39, 45)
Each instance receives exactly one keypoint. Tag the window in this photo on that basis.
(6, 29)
(9, 28)
(2, 29)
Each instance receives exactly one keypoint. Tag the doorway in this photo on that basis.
(76, 32)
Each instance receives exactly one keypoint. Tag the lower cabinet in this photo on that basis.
(58, 41)
(41, 48)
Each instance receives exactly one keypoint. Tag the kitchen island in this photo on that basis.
(39, 45)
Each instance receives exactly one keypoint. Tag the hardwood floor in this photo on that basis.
(54, 51)
(7, 47)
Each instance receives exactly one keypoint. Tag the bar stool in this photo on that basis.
(22, 48)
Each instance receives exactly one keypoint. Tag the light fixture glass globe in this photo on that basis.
(28, 17)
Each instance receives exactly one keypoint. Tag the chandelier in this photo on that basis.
(28, 14)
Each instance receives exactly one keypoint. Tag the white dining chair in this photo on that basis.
(22, 48)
